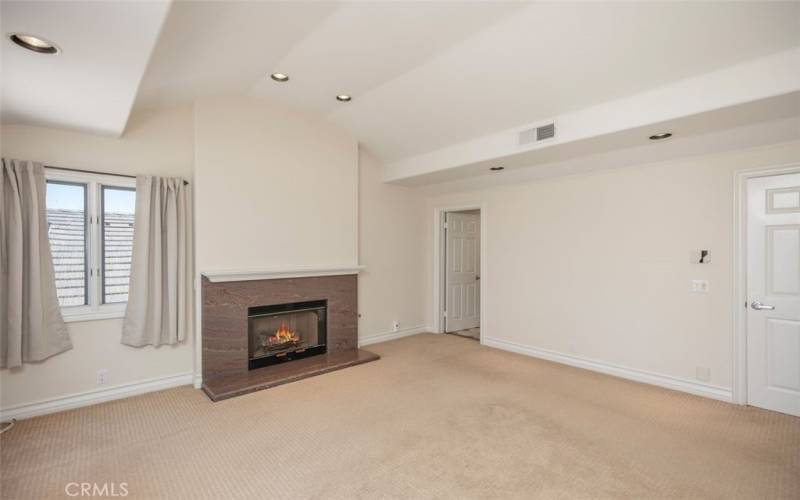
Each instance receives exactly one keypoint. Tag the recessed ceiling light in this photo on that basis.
(34, 43)
(658, 137)
(344, 98)
(279, 77)
(496, 169)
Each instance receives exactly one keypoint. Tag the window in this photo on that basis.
(66, 227)
(90, 225)
(118, 209)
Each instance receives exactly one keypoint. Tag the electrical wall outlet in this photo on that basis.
(700, 286)
(395, 326)
(102, 377)
(703, 374)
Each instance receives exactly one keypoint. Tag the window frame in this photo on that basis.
(101, 214)
(86, 267)
(95, 309)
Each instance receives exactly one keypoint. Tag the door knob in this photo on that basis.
(758, 306)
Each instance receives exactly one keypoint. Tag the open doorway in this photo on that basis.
(461, 272)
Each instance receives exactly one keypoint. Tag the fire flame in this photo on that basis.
(283, 335)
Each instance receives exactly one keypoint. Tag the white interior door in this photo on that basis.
(773, 290)
(462, 290)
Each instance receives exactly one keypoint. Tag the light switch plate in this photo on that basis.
(700, 286)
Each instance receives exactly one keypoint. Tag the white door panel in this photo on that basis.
(783, 271)
(462, 293)
(783, 350)
(773, 279)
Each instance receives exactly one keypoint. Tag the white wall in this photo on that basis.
(154, 143)
(392, 233)
(597, 265)
(277, 188)
(274, 188)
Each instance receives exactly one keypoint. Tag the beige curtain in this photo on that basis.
(31, 326)
(160, 294)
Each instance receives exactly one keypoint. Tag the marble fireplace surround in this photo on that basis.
(225, 300)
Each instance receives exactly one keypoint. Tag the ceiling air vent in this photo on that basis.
(536, 134)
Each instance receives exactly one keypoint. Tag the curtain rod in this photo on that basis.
(185, 182)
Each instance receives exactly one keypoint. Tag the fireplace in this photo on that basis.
(285, 332)
(238, 309)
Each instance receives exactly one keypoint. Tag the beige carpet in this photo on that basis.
(438, 417)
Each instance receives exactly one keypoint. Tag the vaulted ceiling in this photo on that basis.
(92, 84)
(425, 77)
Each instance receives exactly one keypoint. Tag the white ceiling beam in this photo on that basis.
(747, 82)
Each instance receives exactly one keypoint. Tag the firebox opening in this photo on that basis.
(285, 332)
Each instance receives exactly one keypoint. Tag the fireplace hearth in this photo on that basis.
(286, 332)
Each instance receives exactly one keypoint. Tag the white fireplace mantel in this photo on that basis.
(270, 274)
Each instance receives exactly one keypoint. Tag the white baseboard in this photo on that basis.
(88, 398)
(198, 381)
(667, 381)
(383, 337)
